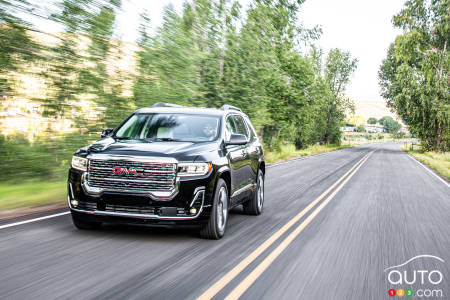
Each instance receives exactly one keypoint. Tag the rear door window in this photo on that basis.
(251, 129)
(230, 128)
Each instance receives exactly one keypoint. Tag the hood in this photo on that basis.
(182, 151)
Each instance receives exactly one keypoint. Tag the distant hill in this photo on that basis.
(376, 109)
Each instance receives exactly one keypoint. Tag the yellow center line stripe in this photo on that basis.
(250, 279)
(220, 284)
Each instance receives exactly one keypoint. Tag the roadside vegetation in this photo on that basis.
(439, 161)
(414, 76)
(288, 151)
(31, 194)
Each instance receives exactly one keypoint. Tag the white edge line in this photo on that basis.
(34, 220)
(418, 256)
(431, 172)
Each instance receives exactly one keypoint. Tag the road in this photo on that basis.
(332, 224)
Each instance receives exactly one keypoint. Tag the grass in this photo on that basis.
(288, 151)
(440, 162)
(31, 194)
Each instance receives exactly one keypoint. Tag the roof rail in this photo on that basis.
(228, 107)
(163, 104)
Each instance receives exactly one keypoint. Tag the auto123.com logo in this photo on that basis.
(406, 280)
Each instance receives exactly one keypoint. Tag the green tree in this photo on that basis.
(201, 58)
(361, 128)
(390, 125)
(104, 84)
(75, 74)
(372, 120)
(167, 64)
(381, 120)
(17, 49)
(64, 73)
(414, 76)
(339, 67)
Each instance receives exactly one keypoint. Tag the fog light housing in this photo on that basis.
(193, 211)
(74, 203)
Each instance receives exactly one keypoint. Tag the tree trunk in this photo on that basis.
(327, 129)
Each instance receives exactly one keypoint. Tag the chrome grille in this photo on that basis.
(155, 176)
(130, 209)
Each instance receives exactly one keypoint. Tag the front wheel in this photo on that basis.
(215, 228)
(255, 205)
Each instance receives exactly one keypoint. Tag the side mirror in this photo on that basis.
(237, 139)
(107, 132)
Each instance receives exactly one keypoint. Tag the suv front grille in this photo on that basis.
(152, 176)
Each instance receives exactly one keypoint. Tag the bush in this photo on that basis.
(399, 135)
(38, 160)
(372, 120)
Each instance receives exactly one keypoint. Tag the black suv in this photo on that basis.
(169, 164)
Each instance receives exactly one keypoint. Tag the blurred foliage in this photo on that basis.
(361, 128)
(32, 193)
(414, 76)
(264, 62)
(44, 159)
(355, 120)
(372, 120)
(288, 151)
(390, 125)
(16, 47)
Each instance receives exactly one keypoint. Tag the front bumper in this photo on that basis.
(191, 203)
(159, 212)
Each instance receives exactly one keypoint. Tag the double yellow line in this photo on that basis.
(251, 278)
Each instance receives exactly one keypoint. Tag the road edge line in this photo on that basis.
(429, 170)
(34, 220)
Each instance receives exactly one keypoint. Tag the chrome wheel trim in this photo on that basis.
(260, 191)
(222, 209)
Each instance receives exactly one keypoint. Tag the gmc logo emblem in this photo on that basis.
(130, 171)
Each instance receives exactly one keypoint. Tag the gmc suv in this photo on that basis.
(166, 165)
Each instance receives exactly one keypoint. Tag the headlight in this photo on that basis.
(193, 169)
(79, 163)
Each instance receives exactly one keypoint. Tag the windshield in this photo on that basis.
(170, 127)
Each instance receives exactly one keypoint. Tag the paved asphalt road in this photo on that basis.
(391, 209)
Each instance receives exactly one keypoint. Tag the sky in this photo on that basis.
(362, 27)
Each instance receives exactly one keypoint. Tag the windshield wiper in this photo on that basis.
(166, 139)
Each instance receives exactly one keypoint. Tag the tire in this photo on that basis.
(255, 205)
(84, 225)
(215, 228)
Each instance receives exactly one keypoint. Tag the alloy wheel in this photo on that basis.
(222, 209)
(260, 191)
